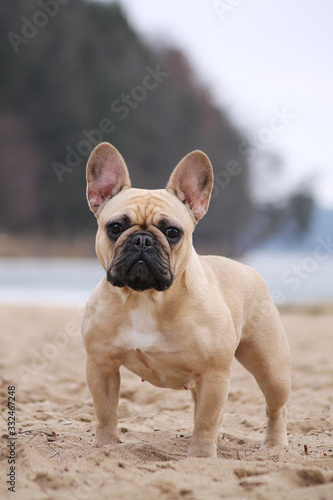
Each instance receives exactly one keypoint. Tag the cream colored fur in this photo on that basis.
(186, 336)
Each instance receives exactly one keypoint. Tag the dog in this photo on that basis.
(174, 318)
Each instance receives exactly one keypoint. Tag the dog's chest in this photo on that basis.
(143, 332)
(146, 351)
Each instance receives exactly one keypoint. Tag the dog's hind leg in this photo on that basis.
(264, 352)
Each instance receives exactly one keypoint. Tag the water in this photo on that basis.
(292, 278)
(295, 277)
(64, 282)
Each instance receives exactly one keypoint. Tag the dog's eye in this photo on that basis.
(172, 232)
(114, 229)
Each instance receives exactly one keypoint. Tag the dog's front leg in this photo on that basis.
(211, 394)
(104, 383)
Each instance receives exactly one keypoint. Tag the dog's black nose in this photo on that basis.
(143, 240)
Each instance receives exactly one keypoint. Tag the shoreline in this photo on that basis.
(307, 309)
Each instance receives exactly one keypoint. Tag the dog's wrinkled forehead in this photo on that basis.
(145, 211)
(145, 208)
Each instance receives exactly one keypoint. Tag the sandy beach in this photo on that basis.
(44, 359)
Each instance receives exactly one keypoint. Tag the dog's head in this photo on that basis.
(144, 237)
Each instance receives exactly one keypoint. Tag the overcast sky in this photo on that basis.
(257, 56)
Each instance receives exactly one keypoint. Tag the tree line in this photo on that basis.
(75, 73)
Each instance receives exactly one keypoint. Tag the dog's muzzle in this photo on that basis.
(141, 264)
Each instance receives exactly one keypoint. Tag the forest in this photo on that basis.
(75, 73)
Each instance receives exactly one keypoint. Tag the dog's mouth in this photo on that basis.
(141, 269)
(140, 277)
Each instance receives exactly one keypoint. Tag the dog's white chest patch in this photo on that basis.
(143, 333)
(148, 353)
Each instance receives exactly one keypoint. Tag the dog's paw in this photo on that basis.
(201, 450)
(273, 442)
(99, 441)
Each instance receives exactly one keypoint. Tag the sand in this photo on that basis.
(44, 358)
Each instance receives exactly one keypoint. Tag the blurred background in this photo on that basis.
(249, 83)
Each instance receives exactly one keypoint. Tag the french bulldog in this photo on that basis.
(174, 318)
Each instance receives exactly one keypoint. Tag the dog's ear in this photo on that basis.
(107, 174)
(192, 182)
